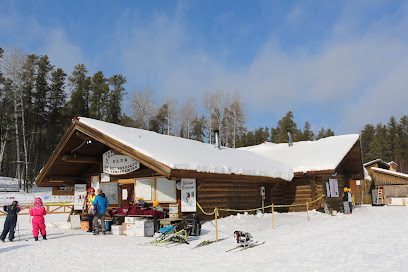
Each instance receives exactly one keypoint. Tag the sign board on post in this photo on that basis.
(80, 195)
(334, 188)
(118, 164)
(188, 195)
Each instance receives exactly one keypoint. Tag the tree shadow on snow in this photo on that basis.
(4, 250)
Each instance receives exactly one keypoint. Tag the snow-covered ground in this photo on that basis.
(371, 239)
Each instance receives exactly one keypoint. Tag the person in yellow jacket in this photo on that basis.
(89, 207)
(350, 199)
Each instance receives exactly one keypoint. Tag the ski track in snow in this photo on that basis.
(371, 239)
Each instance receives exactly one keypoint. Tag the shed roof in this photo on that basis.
(380, 162)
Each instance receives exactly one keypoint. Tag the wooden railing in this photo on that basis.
(50, 208)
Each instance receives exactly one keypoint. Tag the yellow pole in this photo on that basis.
(273, 220)
(307, 207)
(216, 225)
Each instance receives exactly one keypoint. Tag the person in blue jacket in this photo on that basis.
(11, 221)
(100, 203)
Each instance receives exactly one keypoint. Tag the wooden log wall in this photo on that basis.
(229, 195)
(306, 189)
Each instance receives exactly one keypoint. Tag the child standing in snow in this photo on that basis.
(350, 199)
(38, 212)
(11, 221)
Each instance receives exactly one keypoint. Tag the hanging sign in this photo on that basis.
(334, 188)
(188, 195)
(118, 164)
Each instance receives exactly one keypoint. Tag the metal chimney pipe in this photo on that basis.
(290, 143)
(217, 138)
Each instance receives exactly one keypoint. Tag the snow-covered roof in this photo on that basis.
(376, 161)
(366, 175)
(183, 154)
(320, 155)
(390, 172)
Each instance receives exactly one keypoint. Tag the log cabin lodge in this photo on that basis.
(128, 162)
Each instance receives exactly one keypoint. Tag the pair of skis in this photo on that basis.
(208, 242)
(241, 247)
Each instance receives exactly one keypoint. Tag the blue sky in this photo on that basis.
(337, 64)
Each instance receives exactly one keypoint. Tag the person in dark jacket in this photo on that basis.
(345, 202)
(11, 220)
(101, 203)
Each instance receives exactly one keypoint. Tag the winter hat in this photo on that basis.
(92, 190)
(37, 203)
(155, 203)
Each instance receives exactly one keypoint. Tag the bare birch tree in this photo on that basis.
(214, 103)
(187, 114)
(13, 62)
(171, 113)
(236, 109)
(142, 107)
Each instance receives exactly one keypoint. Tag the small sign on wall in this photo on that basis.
(188, 195)
(105, 177)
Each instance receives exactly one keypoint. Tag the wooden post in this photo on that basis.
(273, 219)
(29, 212)
(307, 210)
(216, 225)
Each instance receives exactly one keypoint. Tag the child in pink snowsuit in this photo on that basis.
(38, 212)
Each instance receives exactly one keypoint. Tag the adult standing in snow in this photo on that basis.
(101, 203)
(350, 199)
(90, 207)
(38, 212)
(11, 220)
(346, 205)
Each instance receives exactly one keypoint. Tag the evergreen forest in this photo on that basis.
(38, 101)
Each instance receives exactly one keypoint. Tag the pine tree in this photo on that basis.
(57, 118)
(367, 136)
(307, 134)
(158, 123)
(114, 109)
(403, 162)
(285, 124)
(198, 128)
(98, 96)
(393, 132)
(80, 84)
(379, 147)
